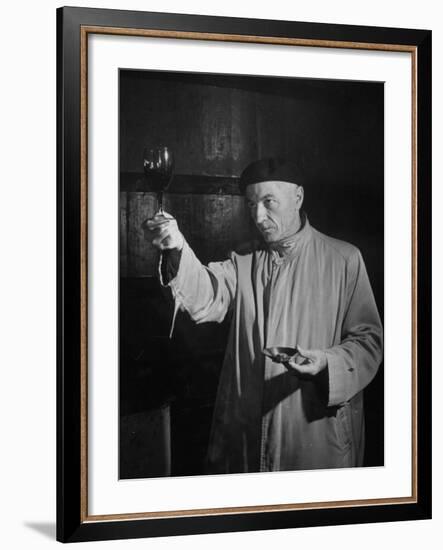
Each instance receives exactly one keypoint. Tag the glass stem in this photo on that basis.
(160, 203)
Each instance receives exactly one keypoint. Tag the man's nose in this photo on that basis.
(259, 213)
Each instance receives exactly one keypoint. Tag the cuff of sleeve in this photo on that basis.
(173, 275)
(337, 382)
(178, 261)
(168, 266)
(178, 284)
(160, 270)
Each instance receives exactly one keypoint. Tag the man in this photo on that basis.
(303, 290)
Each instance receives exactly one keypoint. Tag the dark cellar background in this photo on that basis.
(216, 125)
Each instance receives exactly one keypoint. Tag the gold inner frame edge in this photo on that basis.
(85, 30)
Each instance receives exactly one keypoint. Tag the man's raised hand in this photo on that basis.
(163, 232)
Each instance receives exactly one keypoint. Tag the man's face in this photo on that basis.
(274, 207)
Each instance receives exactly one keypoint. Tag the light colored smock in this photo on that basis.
(319, 297)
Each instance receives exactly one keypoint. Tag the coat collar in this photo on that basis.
(291, 246)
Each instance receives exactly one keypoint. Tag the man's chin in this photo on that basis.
(269, 237)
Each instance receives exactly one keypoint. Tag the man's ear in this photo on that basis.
(299, 196)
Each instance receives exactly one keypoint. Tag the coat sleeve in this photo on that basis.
(354, 362)
(205, 292)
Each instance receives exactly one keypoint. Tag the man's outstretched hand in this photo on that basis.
(308, 362)
(163, 232)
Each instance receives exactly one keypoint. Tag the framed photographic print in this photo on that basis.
(244, 274)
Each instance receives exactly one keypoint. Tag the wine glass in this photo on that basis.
(158, 164)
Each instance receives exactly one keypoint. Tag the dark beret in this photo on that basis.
(270, 169)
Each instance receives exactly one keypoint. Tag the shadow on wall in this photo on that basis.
(47, 529)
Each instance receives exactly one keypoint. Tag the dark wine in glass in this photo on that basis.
(158, 164)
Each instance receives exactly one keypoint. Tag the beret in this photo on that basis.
(270, 169)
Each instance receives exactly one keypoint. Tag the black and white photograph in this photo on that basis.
(251, 261)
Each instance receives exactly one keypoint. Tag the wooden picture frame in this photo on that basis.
(74, 26)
